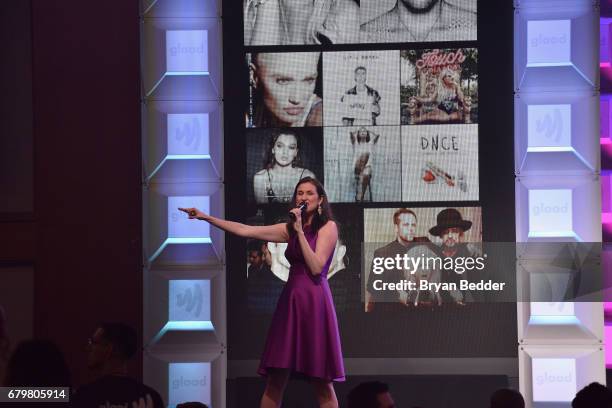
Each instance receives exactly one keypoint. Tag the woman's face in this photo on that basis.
(287, 81)
(285, 150)
(308, 192)
(448, 79)
(362, 136)
(430, 89)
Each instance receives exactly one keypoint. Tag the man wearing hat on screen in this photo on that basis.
(450, 227)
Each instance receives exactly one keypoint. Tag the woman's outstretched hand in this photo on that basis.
(193, 213)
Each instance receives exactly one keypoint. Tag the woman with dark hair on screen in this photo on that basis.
(283, 22)
(363, 160)
(303, 337)
(281, 169)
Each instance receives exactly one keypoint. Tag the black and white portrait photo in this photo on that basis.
(300, 22)
(385, 21)
(361, 88)
(278, 158)
(285, 90)
(363, 164)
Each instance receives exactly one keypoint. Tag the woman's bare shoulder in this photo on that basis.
(330, 226)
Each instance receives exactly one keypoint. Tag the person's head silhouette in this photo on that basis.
(593, 395)
(37, 363)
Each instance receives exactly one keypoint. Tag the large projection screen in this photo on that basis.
(394, 106)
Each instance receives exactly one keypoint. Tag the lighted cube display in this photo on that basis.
(189, 300)
(187, 51)
(188, 134)
(550, 213)
(549, 127)
(548, 43)
(189, 382)
(553, 379)
(179, 225)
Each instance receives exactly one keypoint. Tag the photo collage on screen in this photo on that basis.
(382, 129)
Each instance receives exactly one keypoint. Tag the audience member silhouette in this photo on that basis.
(192, 405)
(110, 349)
(371, 394)
(593, 395)
(507, 398)
(37, 363)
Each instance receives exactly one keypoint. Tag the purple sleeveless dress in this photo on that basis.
(303, 335)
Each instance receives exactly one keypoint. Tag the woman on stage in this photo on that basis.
(303, 338)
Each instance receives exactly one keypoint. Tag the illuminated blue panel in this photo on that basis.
(183, 326)
(180, 226)
(553, 379)
(189, 382)
(552, 309)
(189, 300)
(553, 313)
(548, 43)
(188, 134)
(549, 128)
(187, 51)
(550, 213)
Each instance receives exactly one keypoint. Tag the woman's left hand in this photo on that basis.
(297, 225)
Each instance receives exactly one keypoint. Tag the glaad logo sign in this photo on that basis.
(547, 378)
(190, 134)
(187, 51)
(187, 382)
(191, 300)
(550, 212)
(551, 126)
(543, 40)
(180, 49)
(549, 209)
(548, 42)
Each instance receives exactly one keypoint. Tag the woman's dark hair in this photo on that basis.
(318, 220)
(37, 363)
(269, 159)
(367, 134)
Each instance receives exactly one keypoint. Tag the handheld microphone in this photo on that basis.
(302, 206)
